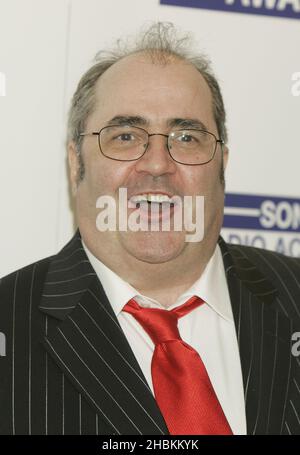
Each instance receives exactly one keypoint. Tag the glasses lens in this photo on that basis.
(192, 146)
(123, 142)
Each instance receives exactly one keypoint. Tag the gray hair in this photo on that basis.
(160, 42)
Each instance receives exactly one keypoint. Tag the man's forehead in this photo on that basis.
(129, 66)
(158, 59)
(135, 86)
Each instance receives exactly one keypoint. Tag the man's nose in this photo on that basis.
(156, 160)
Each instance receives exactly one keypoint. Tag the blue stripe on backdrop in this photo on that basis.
(279, 8)
(270, 213)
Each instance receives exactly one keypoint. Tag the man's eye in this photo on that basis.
(186, 138)
(125, 137)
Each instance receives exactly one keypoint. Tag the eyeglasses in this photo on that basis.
(129, 143)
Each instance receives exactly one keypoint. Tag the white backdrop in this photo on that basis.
(45, 46)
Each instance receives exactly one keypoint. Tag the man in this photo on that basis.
(83, 328)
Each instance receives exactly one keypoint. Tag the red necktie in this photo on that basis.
(182, 388)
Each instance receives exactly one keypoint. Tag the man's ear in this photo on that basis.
(225, 155)
(73, 166)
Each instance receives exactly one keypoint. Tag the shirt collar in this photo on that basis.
(211, 287)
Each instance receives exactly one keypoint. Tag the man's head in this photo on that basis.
(156, 85)
(160, 43)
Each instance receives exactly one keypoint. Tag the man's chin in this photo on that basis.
(154, 247)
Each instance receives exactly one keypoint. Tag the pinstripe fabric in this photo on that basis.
(265, 289)
(70, 370)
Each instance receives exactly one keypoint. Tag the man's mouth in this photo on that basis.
(154, 207)
(150, 198)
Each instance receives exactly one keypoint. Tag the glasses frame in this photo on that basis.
(98, 133)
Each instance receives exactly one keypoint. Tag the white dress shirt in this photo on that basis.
(209, 329)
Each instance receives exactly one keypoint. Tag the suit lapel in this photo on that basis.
(90, 347)
(262, 333)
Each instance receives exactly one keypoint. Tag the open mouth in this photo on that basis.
(154, 207)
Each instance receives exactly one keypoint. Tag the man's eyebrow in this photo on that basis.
(187, 123)
(132, 120)
(136, 120)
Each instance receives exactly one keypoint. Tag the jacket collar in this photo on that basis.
(70, 274)
(239, 267)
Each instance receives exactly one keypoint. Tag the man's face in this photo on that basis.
(158, 95)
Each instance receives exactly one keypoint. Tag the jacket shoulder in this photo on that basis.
(282, 272)
(264, 258)
(24, 280)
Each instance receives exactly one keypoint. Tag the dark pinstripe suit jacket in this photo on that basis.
(69, 369)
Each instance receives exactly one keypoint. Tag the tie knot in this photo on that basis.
(161, 325)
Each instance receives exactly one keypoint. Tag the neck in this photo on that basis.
(167, 280)
(164, 282)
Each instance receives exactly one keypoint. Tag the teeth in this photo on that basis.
(139, 198)
(151, 198)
